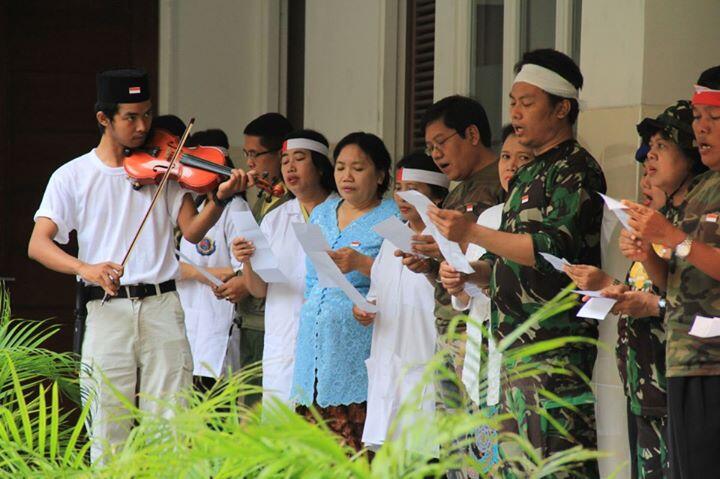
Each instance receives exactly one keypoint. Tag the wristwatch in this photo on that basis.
(683, 249)
(662, 306)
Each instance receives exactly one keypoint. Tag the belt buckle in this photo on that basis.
(128, 290)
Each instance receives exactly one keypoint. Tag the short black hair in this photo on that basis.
(421, 161)
(561, 64)
(374, 148)
(272, 128)
(710, 78)
(170, 123)
(108, 109)
(459, 112)
(322, 163)
(210, 137)
(507, 130)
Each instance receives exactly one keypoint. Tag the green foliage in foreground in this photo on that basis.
(214, 436)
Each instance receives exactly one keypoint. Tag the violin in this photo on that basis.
(147, 165)
(274, 189)
(199, 168)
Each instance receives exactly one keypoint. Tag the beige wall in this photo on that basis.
(220, 62)
(352, 68)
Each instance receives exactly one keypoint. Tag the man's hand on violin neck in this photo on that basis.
(238, 182)
(106, 275)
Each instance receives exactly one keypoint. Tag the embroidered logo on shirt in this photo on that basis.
(206, 246)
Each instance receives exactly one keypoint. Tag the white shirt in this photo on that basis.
(283, 301)
(403, 342)
(101, 205)
(208, 319)
(480, 311)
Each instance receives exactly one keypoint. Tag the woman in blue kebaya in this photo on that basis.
(332, 347)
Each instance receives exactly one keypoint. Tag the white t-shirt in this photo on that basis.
(403, 342)
(101, 205)
(208, 319)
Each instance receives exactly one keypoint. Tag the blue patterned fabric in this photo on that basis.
(331, 346)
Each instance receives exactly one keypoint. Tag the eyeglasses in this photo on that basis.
(251, 155)
(430, 147)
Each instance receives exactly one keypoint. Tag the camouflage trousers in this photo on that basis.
(648, 446)
(541, 421)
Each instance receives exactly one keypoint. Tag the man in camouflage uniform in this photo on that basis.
(262, 150)
(692, 282)
(641, 328)
(552, 207)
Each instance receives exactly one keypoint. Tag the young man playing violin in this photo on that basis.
(136, 340)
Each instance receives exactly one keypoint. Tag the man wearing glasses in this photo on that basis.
(262, 147)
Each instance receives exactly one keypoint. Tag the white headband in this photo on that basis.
(423, 176)
(547, 80)
(306, 144)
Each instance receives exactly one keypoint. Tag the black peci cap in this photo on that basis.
(123, 86)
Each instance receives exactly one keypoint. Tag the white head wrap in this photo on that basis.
(423, 176)
(306, 144)
(546, 80)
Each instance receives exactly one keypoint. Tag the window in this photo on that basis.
(419, 69)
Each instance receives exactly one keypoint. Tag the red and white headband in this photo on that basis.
(706, 96)
(423, 176)
(306, 144)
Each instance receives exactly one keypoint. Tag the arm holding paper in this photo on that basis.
(189, 272)
(635, 304)
(455, 226)
(652, 226)
(348, 259)
(243, 250)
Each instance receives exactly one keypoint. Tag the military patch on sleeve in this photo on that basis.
(206, 246)
(711, 217)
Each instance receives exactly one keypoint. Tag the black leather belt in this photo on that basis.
(133, 291)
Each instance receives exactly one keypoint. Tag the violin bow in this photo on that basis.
(160, 189)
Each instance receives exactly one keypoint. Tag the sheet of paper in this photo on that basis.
(327, 269)
(555, 262)
(450, 250)
(263, 260)
(396, 232)
(618, 209)
(596, 308)
(704, 327)
(316, 247)
(473, 290)
(210, 277)
(310, 237)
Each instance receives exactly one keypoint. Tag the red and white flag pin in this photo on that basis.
(134, 90)
(524, 199)
(469, 208)
(355, 244)
(712, 217)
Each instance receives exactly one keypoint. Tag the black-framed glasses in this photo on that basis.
(251, 155)
(430, 147)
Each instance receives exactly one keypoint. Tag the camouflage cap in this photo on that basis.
(675, 123)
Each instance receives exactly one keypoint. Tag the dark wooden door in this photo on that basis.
(50, 52)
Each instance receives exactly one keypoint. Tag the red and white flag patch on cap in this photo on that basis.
(134, 90)
(524, 199)
(712, 217)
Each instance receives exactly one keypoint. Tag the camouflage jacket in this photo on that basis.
(251, 311)
(690, 292)
(554, 200)
(641, 345)
(472, 196)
